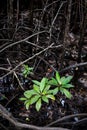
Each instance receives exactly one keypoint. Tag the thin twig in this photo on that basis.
(15, 75)
(34, 45)
(11, 71)
(73, 66)
(56, 15)
(18, 80)
(61, 71)
(23, 40)
(68, 117)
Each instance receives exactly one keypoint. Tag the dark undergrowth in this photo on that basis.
(49, 36)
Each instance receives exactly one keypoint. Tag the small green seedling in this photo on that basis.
(41, 92)
(27, 70)
(62, 84)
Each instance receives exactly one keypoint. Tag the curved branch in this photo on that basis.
(30, 58)
(68, 117)
(23, 40)
(73, 66)
(7, 115)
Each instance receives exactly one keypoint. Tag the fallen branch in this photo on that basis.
(73, 66)
(68, 117)
(23, 40)
(7, 115)
(61, 71)
(30, 58)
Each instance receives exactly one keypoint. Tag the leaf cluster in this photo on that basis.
(62, 84)
(27, 70)
(42, 92)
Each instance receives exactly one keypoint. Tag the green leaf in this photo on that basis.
(38, 104)
(63, 79)
(36, 82)
(33, 92)
(67, 93)
(55, 91)
(25, 66)
(46, 88)
(66, 80)
(29, 93)
(30, 68)
(53, 81)
(68, 86)
(51, 97)
(42, 84)
(36, 88)
(27, 104)
(22, 99)
(27, 70)
(34, 99)
(50, 92)
(61, 90)
(58, 78)
(45, 99)
(24, 72)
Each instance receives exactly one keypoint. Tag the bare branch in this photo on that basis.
(7, 115)
(68, 117)
(23, 40)
(11, 71)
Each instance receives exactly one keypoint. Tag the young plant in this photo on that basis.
(40, 92)
(62, 84)
(27, 70)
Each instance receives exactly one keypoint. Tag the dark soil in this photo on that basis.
(44, 65)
